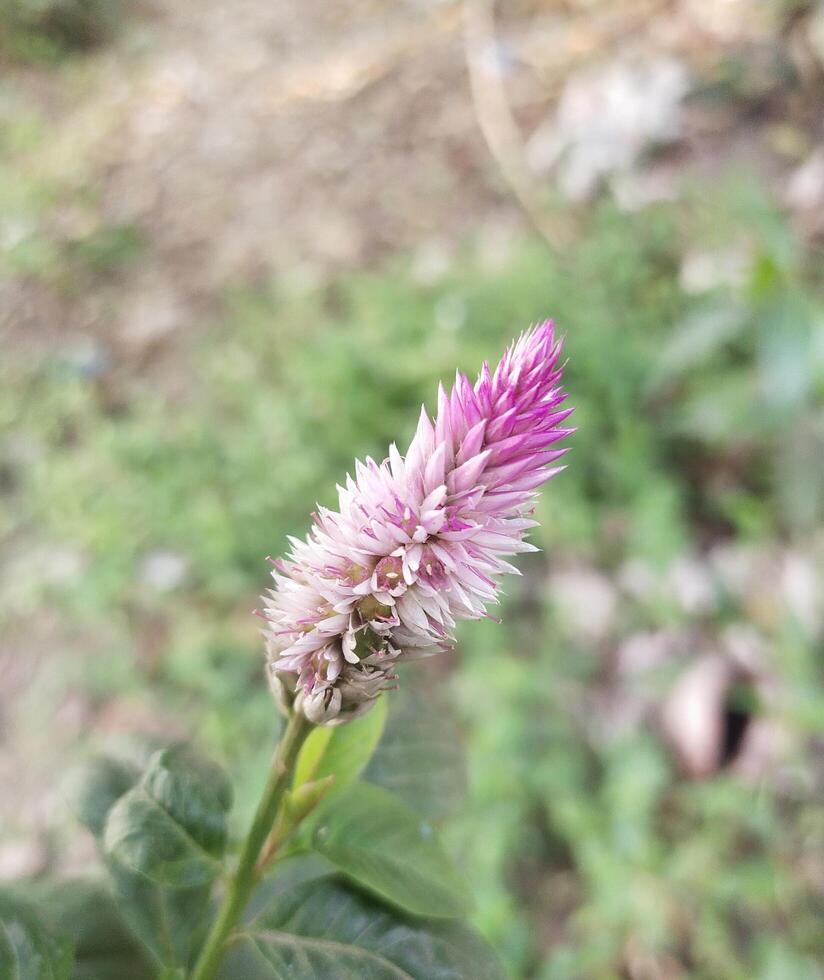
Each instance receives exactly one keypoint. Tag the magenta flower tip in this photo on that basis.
(420, 540)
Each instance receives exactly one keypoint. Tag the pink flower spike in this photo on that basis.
(419, 541)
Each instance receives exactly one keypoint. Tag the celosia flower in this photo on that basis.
(419, 541)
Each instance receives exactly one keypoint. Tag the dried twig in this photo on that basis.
(498, 125)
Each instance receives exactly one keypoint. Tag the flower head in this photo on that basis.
(419, 541)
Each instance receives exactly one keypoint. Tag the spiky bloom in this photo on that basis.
(419, 541)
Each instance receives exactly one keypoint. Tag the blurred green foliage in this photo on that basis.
(46, 30)
(701, 420)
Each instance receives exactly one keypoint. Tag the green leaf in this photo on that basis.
(420, 757)
(171, 827)
(171, 922)
(318, 929)
(343, 751)
(86, 910)
(375, 841)
(194, 791)
(93, 787)
(145, 838)
(29, 949)
(171, 824)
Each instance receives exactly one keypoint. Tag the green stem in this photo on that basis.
(246, 877)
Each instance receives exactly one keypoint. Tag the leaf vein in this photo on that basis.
(325, 945)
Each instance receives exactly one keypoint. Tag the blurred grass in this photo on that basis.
(701, 421)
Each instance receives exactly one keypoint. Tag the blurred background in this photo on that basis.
(241, 242)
